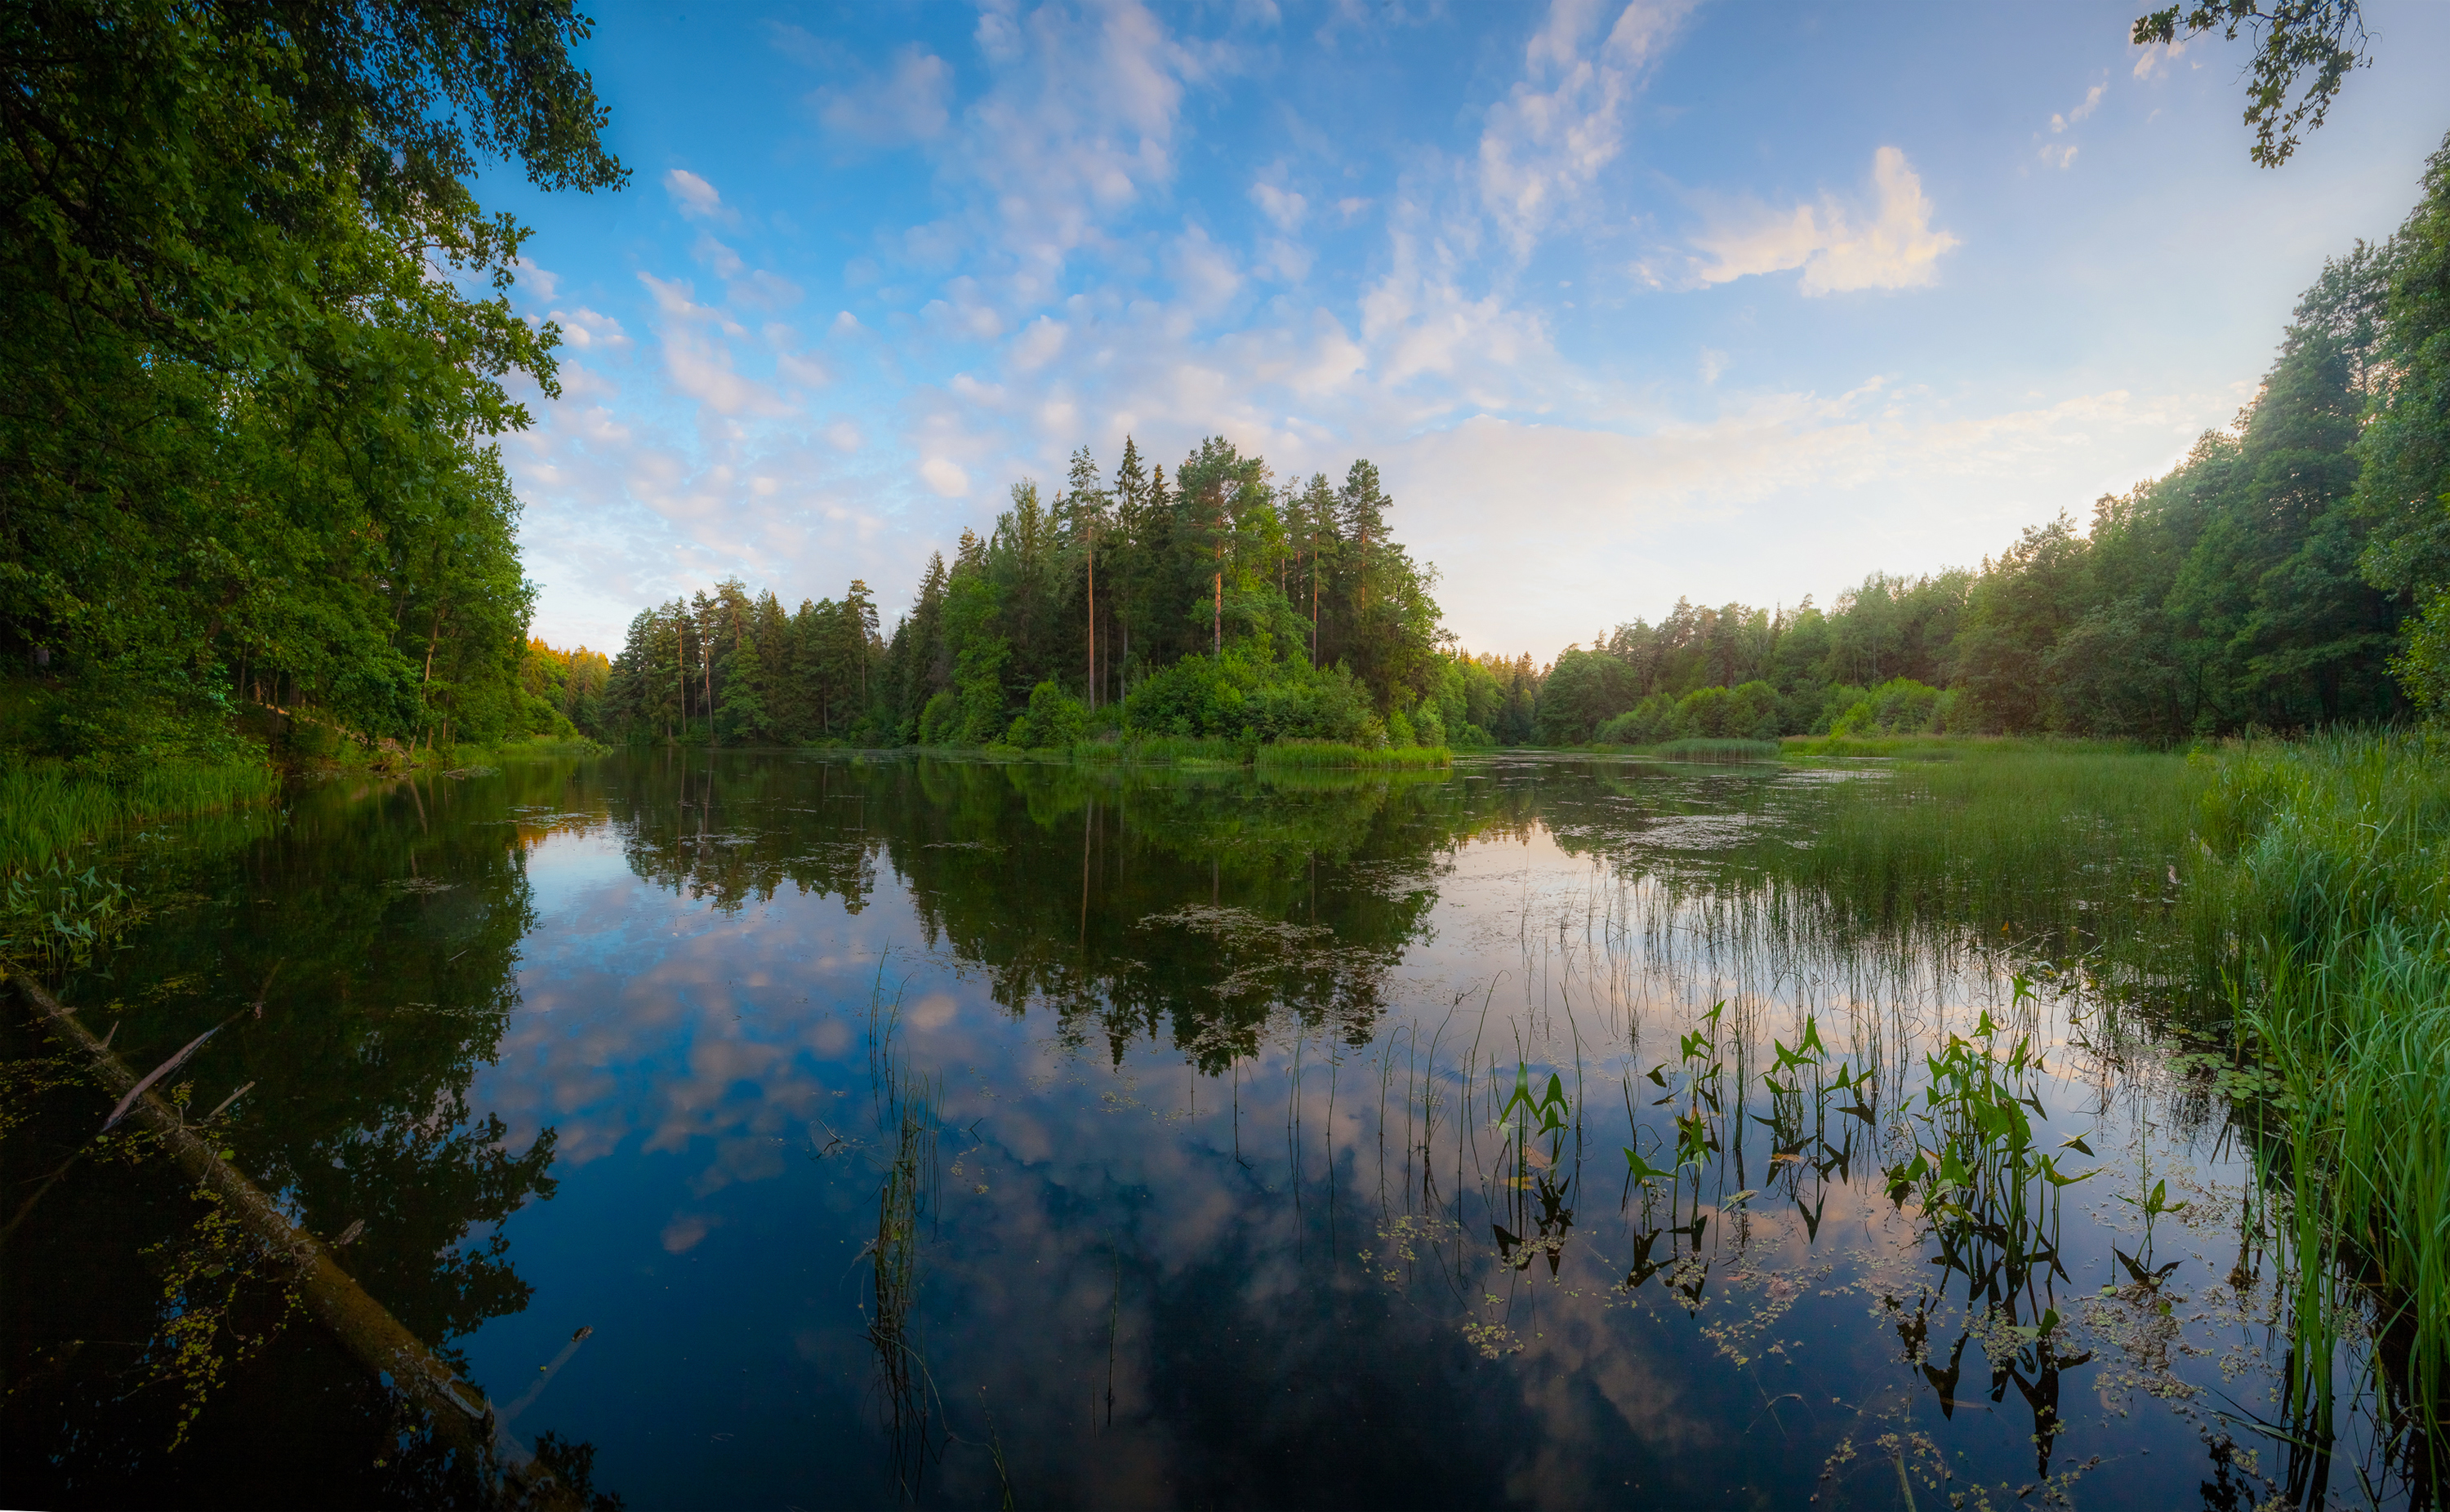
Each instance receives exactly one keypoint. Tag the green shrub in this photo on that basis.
(1054, 720)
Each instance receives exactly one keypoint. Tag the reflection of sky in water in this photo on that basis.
(1144, 1286)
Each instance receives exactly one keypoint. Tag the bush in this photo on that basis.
(1053, 719)
(1242, 696)
(1897, 707)
(941, 720)
(1749, 712)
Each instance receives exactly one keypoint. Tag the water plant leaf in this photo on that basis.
(1642, 1170)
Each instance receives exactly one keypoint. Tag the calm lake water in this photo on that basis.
(955, 1131)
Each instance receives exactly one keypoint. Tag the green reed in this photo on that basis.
(2341, 898)
(1700, 748)
(1328, 753)
(2086, 857)
(2295, 895)
(47, 809)
(906, 1105)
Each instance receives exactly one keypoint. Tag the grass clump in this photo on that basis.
(2340, 898)
(1951, 747)
(2074, 845)
(48, 809)
(1328, 753)
(1702, 748)
(1178, 750)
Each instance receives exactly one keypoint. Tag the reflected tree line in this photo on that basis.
(361, 958)
(1187, 907)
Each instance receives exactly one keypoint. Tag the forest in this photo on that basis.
(259, 337)
(1216, 605)
(2292, 573)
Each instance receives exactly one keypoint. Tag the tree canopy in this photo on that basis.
(258, 336)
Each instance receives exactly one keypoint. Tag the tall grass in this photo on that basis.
(2341, 900)
(49, 810)
(1177, 750)
(1173, 750)
(1327, 753)
(1952, 748)
(1702, 748)
(2069, 853)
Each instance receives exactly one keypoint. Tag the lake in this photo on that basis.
(793, 1130)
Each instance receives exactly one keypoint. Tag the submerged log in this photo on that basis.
(463, 1419)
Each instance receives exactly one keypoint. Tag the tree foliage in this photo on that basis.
(2313, 41)
(2267, 582)
(258, 340)
(1221, 604)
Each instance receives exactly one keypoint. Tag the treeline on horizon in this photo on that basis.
(1218, 604)
(2293, 573)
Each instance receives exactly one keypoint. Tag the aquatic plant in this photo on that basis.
(52, 920)
(1325, 753)
(906, 1128)
(48, 809)
(2341, 911)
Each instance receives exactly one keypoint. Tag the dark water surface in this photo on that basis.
(947, 1131)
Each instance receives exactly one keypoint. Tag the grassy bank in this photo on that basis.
(2338, 853)
(47, 810)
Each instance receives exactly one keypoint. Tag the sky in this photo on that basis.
(1629, 303)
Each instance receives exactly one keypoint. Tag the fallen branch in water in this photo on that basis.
(462, 1418)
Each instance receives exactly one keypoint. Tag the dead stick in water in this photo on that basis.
(462, 1418)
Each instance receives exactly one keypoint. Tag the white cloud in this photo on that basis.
(845, 438)
(725, 261)
(2091, 101)
(908, 103)
(2154, 60)
(1713, 364)
(801, 369)
(2058, 157)
(1037, 344)
(701, 369)
(696, 198)
(1205, 277)
(946, 476)
(1562, 122)
(539, 281)
(1888, 245)
(588, 330)
(1283, 206)
(1285, 259)
(1611, 524)
(846, 324)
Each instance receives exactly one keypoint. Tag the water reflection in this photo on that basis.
(945, 1131)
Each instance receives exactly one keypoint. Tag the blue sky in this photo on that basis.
(1626, 301)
